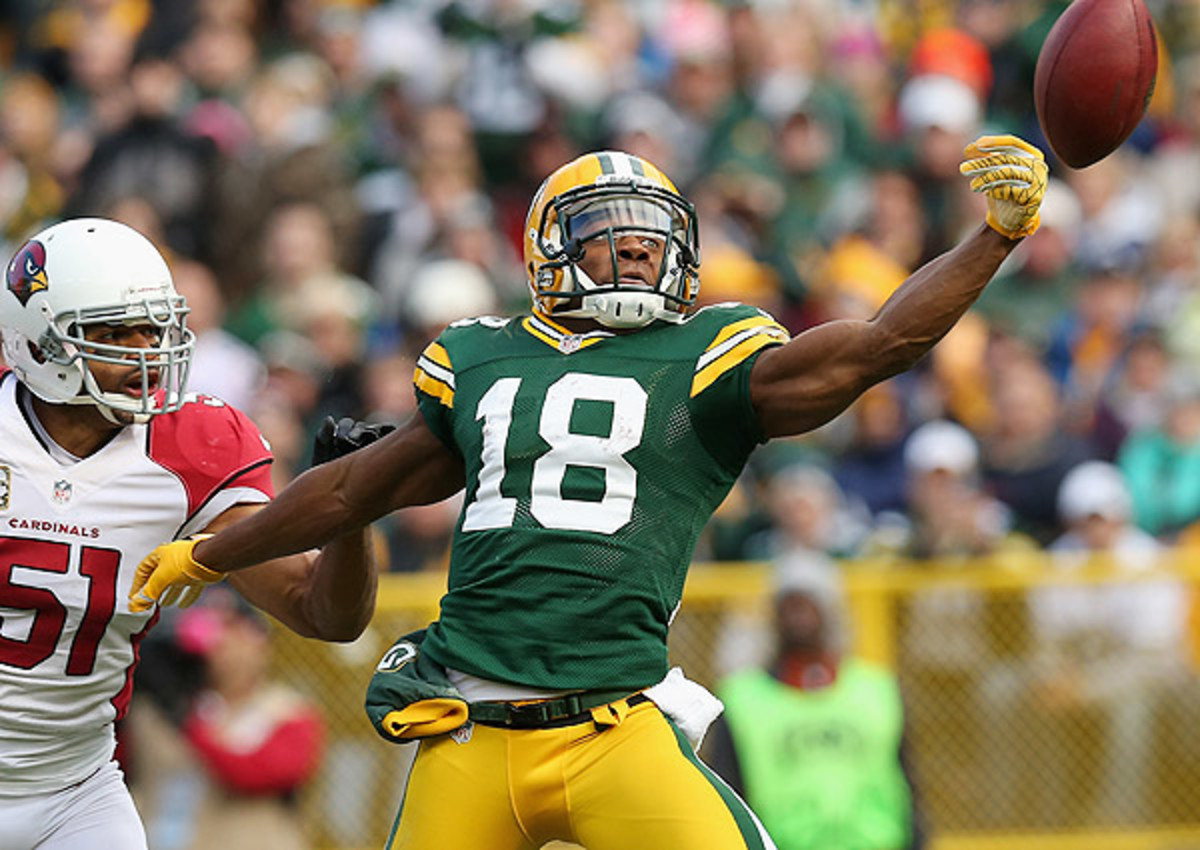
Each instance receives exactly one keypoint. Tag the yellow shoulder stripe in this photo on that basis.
(437, 353)
(732, 347)
(744, 324)
(430, 385)
(434, 374)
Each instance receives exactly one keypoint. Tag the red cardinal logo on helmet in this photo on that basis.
(27, 271)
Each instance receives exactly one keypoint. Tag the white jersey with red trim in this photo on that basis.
(72, 533)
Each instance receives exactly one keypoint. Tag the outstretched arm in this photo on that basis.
(327, 594)
(328, 506)
(410, 466)
(805, 383)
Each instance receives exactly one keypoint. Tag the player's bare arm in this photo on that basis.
(327, 594)
(410, 466)
(805, 383)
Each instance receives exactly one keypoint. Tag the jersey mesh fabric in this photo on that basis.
(612, 464)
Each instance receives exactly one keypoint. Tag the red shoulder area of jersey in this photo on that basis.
(209, 445)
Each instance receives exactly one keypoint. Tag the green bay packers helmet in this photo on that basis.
(607, 195)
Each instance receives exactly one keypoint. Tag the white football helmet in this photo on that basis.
(607, 194)
(90, 271)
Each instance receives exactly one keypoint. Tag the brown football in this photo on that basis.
(1095, 74)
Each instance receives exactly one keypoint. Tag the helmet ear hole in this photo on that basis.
(35, 352)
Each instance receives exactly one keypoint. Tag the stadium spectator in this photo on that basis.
(809, 513)
(870, 467)
(1162, 462)
(815, 741)
(294, 158)
(954, 524)
(301, 270)
(153, 156)
(258, 740)
(224, 366)
(1135, 398)
(1034, 289)
(953, 517)
(1105, 658)
(32, 190)
(1028, 449)
(939, 114)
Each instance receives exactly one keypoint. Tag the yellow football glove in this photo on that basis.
(1012, 174)
(170, 575)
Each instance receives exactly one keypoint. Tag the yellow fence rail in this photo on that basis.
(1018, 742)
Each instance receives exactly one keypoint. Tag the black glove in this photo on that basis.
(335, 439)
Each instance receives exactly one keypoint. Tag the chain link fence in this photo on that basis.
(1045, 707)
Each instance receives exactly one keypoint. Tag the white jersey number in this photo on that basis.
(490, 509)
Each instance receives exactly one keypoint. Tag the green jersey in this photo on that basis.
(592, 463)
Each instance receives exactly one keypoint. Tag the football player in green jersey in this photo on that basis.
(594, 437)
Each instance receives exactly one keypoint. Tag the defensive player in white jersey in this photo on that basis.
(102, 455)
(594, 438)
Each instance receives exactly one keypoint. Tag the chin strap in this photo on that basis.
(113, 415)
(109, 414)
(90, 393)
(624, 309)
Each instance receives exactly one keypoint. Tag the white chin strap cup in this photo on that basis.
(625, 309)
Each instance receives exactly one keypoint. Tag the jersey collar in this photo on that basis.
(556, 336)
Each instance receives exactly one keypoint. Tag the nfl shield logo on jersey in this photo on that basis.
(62, 492)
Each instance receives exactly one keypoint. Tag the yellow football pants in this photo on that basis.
(635, 785)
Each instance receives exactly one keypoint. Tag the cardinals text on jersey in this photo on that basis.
(71, 537)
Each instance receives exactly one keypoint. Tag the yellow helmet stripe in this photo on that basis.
(590, 167)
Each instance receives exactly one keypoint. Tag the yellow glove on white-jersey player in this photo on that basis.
(1012, 174)
(169, 575)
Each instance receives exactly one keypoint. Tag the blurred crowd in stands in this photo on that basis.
(335, 180)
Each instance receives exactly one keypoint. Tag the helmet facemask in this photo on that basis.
(609, 211)
(163, 367)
